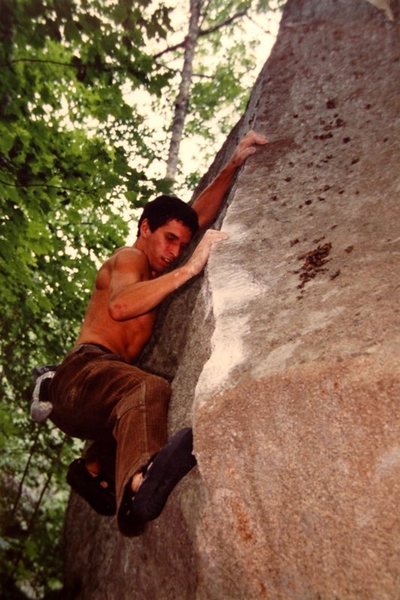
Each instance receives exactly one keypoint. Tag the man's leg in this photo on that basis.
(97, 396)
(95, 393)
(140, 428)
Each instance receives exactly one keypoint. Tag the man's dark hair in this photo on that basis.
(164, 208)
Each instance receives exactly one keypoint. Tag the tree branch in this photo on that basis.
(203, 76)
(80, 67)
(48, 185)
(267, 31)
(45, 487)
(24, 474)
(228, 21)
(203, 32)
(38, 60)
(204, 12)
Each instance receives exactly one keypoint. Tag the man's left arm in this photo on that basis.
(209, 202)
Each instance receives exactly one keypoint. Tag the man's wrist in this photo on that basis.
(233, 164)
(182, 275)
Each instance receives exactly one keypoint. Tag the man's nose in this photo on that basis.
(175, 251)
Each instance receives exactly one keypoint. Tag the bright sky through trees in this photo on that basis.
(196, 152)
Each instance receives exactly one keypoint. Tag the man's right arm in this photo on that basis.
(131, 294)
(209, 202)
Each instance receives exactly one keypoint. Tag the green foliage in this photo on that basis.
(31, 516)
(67, 180)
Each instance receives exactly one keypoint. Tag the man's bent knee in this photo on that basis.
(157, 389)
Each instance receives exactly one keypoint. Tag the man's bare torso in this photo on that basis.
(126, 338)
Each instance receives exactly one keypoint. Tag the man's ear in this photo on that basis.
(145, 230)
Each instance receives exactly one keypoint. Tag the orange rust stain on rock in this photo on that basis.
(242, 522)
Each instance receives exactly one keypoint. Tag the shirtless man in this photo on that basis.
(98, 395)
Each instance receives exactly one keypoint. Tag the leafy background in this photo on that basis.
(87, 92)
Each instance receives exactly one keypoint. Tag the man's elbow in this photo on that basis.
(117, 311)
(204, 222)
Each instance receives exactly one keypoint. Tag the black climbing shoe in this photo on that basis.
(101, 499)
(167, 468)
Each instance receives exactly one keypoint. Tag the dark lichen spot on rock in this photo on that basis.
(323, 136)
(331, 104)
(346, 140)
(349, 249)
(335, 274)
(313, 262)
(355, 161)
(294, 242)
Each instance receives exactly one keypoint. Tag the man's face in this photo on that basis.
(165, 244)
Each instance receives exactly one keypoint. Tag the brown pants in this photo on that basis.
(98, 396)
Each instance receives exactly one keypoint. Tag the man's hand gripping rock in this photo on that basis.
(247, 146)
(199, 258)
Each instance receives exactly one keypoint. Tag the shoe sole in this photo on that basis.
(169, 466)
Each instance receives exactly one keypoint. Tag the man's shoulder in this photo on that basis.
(128, 252)
(129, 257)
(125, 261)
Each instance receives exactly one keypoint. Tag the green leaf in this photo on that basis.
(6, 140)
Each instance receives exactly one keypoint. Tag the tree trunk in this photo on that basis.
(182, 99)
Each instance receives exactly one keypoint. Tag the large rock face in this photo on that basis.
(287, 358)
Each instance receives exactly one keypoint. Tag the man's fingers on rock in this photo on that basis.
(215, 236)
(258, 136)
(249, 151)
(260, 139)
(252, 137)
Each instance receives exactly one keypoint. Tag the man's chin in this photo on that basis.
(160, 268)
